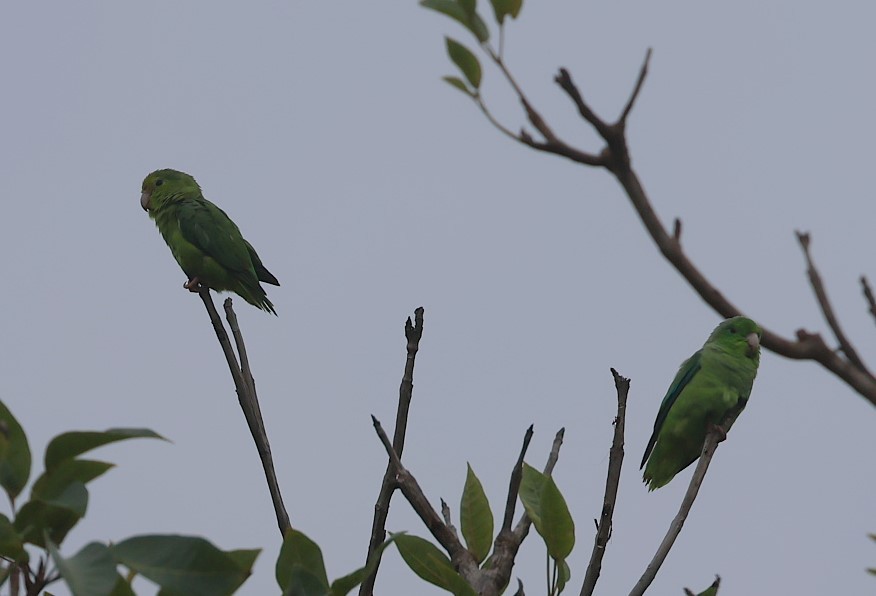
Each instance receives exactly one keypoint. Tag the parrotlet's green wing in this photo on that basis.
(263, 274)
(685, 375)
(208, 227)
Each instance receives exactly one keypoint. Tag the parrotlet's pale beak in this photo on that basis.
(144, 200)
(753, 342)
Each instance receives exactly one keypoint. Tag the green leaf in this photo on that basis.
(460, 12)
(343, 585)
(712, 590)
(299, 553)
(90, 572)
(14, 454)
(550, 515)
(53, 483)
(244, 557)
(122, 588)
(302, 582)
(476, 518)
(11, 545)
(69, 445)
(563, 576)
(503, 8)
(459, 84)
(184, 564)
(465, 60)
(431, 564)
(54, 516)
(531, 485)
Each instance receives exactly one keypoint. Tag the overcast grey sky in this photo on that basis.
(370, 187)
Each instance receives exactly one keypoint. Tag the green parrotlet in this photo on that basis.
(710, 389)
(203, 239)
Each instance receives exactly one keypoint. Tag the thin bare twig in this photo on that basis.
(253, 414)
(448, 519)
(508, 542)
(246, 397)
(709, 447)
(461, 558)
(824, 302)
(413, 334)
(492, 119)
(868, 296)
(643, 72)
(514, 483)
(615, 462)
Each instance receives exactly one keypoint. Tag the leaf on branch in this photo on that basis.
(69, 445)
(14, 454)
(503, 8)
(476, 518)
(547, 508)
(185, 564)
(712, 590)
(52, 515)
(343, 585)
(459, 84)
(465, 60)
(11, 545)
(430, 564)
(462, 12)
(300, 560)
(90, 572)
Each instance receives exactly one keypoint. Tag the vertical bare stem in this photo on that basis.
(246, 396)
(615, 462)
(413, 333)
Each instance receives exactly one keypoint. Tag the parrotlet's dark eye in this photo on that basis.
(159, 182)
(732, 329)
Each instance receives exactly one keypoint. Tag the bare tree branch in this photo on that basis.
(825, 305)
(615, 158)
(462, 560)
(413, 334)
(255, 421)
(514, 483)
(246, 396)
(868, 296)
(711, 444)
(615, 462)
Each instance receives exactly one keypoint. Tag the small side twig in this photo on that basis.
(824, 303)
(615, 462)
(709, 447)
(462, 559)
(868, 296)
(448, 518)
(246, 396)
(413, 334)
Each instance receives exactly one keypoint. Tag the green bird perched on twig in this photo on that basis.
(203, 239)
(710, 390)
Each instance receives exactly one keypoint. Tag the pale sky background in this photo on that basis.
(370, 187)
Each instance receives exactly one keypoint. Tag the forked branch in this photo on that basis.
(615, 158)
(413, 334)
(246, 396)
